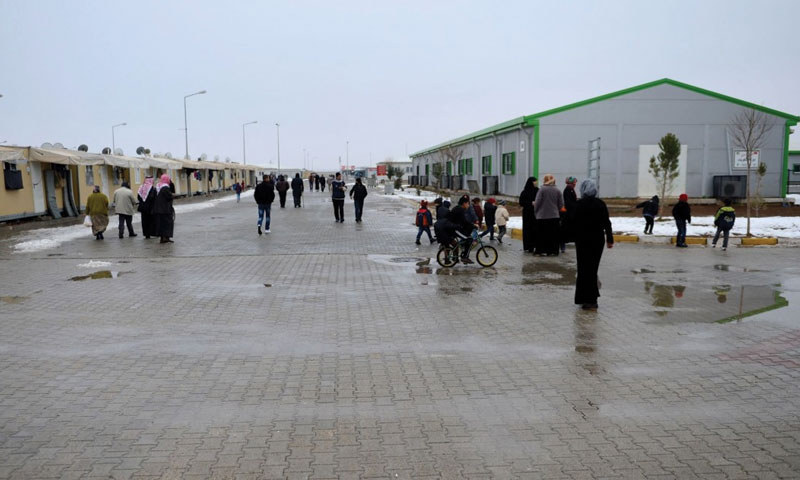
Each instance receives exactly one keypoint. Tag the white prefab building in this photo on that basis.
(611, 138)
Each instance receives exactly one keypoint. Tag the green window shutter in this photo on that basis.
(427, 170)
(449, 168)
(513, 163)
(469, 166)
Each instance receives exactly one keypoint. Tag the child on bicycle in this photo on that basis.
(424, 221)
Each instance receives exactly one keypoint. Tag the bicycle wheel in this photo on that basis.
(445, 257)
(486, 256)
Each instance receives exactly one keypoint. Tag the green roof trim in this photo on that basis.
(511, 124)
(794, 152)
(663, 81)
(529, 120)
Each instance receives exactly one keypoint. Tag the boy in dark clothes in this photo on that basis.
(650, 210)
(682, 213)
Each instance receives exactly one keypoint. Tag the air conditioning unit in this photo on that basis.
(730, 186)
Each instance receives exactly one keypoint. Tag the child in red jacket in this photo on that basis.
(424, 221)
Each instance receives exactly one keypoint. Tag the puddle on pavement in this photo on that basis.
(733, 268)
(543, 273)
(13, 299)
(472, 271)
(98, 275)
(423, 267)
(639, 271)
(680, 304)
(55, 254)
(268, 285)
(398, 261)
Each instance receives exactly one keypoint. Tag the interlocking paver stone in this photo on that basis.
(328, 350)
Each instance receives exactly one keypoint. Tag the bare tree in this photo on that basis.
(749, 130)
(452, 154)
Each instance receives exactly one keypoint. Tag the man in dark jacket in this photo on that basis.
(337, 197)
(460, 222)
(264, 196)
(358, 194)
(683, 215)
(297, 189)
(649, 211)
(489, 209)
(282, 187)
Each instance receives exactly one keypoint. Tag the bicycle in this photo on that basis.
(449, 255)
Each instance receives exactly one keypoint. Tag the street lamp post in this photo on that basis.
(278, 125)
(113, 140)
(244, 144)
(185, 122)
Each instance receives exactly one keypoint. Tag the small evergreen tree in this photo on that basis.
(664, 167)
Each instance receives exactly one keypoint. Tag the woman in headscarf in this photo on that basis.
(163, 210)
(526, 199)
(97, 209)
(548, 204)
(592, 233)
(147, 200)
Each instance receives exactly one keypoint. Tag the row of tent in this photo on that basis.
(39, 181)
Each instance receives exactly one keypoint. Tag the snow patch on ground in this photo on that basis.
(786, 227)
(47, 238)
(95, 264)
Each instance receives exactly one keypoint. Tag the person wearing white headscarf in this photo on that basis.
(592, 232)
(147, 200)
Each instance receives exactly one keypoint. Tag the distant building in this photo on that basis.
(611, 138)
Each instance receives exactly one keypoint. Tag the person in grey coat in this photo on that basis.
(547, 208)
(125, 206)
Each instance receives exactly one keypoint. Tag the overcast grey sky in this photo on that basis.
(390, 77)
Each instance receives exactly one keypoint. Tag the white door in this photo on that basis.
(38, 187)
(104, 179)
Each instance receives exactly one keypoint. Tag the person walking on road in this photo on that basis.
(264, 196)
(322, 182)
(297, 190)
(164, 211)
(682, 213)
(147, 200)
(649, 212)
(282, 187)
(547, 209)
(338, 188)
(526, 199)
(311, 182)
(358, 194)
(501, 217)
(592, 233)
(238, 189)
(97, 209)
(424, 221)
(724, 220)
(125, 206)
(489, 211)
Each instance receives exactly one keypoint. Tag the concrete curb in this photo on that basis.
(695, 240)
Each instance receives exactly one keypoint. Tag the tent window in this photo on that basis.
(137, 175)
(89, 175)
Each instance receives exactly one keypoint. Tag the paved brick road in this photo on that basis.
(326, 351)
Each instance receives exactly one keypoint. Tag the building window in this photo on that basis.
(486, 165)
(89, 175)
(427, 170)
(10, 166)
(509, 163)
(465, 166)
(119, 175)
(796, 168)
(449, 168)
(137, 175)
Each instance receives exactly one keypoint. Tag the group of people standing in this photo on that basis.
(153, 202)
(551, 218)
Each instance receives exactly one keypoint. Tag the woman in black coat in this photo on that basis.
(526, 199)
(163, 210)
(592, 229)
(147, 200)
